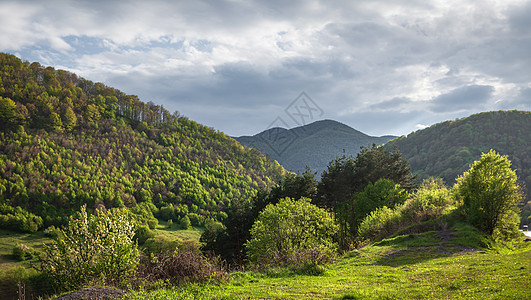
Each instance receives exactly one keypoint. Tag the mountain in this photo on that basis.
(66, 142)
(313, 145)
(447, 149)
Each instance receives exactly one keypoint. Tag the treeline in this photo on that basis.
(447, 149)
(369, 197)
(66, 141)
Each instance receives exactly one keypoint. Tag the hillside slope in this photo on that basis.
(313, 145)
(447, 149)
(66, 141)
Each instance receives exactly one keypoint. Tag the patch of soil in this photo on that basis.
(394, 253)
(94, 292)
(445, 235)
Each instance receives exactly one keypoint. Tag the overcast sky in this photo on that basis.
(382, 67)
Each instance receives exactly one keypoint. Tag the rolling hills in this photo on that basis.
(66, 141)
(313, 145)
(447, 149)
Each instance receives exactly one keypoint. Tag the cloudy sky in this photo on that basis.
(382, 67)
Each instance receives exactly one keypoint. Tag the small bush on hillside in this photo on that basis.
(186, 223)
(142, 234)
(23, 252)
(94, 249)
(291, 231)
(380, 223)
(36, 284)
(428, 202)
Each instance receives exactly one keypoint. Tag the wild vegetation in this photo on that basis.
(447, 149)
(125, 194)
(67, 142)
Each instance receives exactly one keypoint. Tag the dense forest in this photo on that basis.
(66, 141)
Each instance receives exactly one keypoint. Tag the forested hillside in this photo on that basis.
(447, 149)
(313, 145)
(66, 141)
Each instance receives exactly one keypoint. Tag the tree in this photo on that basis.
(383, 192)
(290, 227)
(490, 194)
(7, 112)
(185, 222)
(346, 175)
(93, 248)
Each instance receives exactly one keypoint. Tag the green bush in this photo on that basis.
(289, 228)
(142, 234)
(490, 193)
(23, 252)
(380, 223)
(94, 249)
(37, 284)
(185, 222)
(428, 202)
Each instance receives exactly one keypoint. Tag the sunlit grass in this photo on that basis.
(8, 239)
(414, 266)
(175, 232)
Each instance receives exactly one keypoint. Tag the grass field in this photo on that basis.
(425, 266)
(8, 239)
(175, 232)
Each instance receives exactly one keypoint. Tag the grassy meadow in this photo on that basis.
(450, 264)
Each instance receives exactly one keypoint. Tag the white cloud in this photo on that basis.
(385, 58)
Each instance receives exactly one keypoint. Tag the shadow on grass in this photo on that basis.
(416, 248)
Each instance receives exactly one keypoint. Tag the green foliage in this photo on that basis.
(428, 201)
(185, 222)
(36, 284)
(94, 249)
(490, 194)
(384, 192)
(230, 238)
(346, 175)
(18, 219)
(143, 233)
(68, 141)
(288, 227)
(23, 252)
(379, 223)
(447, 149)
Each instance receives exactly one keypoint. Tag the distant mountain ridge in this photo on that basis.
(313, 145)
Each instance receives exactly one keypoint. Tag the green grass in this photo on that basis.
(175, 232)
(8, 239)
(413, 266)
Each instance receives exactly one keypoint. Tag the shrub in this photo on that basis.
(23, 252)
(142, 234)
(52, 232)
(490, 193)
(185, 222)
(428, 202)
(94, 249)
(288, 228)
(383, 192)
(380, 223)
